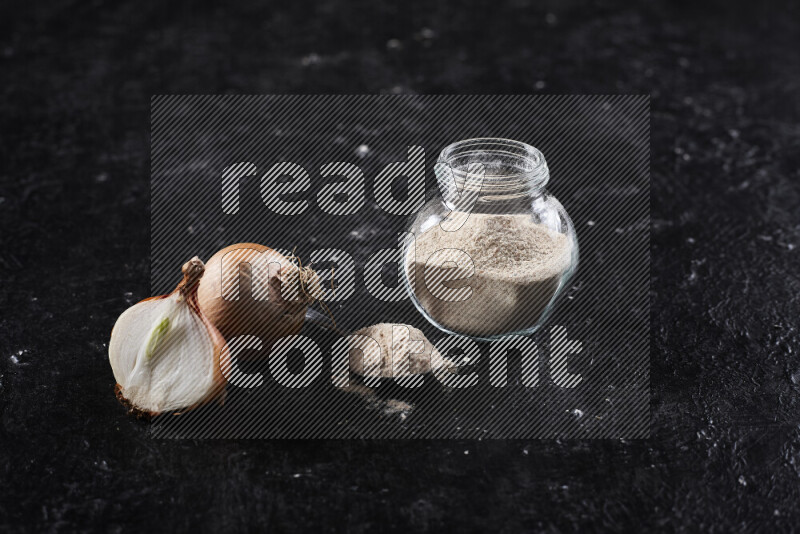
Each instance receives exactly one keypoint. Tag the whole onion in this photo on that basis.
(251, 289)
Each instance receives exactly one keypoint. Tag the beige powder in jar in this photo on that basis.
(518, 266)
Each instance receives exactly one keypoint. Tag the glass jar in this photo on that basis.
(488, 255)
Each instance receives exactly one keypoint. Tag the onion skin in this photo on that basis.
(269, 318)
(192, 272)
(132, 410)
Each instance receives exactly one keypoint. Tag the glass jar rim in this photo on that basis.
(508, 165)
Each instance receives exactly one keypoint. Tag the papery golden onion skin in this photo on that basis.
(269, 318)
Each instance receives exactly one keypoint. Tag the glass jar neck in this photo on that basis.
(490, 171)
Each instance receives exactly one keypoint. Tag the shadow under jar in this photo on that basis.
(492, 252)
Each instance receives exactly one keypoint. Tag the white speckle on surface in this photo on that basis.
(102, 177)
(427, 33)
(590, 223)
(297, 475)
(577, 413)
(466, 451)
(362, 151)
(14, 360)
(742, 480)
(525, 451)
(734, 133)
(690, 240)
(394, 44)
(310, 59)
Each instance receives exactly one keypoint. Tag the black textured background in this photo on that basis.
(725, 448)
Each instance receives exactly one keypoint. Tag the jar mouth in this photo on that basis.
(495, 166)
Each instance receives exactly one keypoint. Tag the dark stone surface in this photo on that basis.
(725, 448)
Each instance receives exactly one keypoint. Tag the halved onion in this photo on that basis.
(165, 354)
